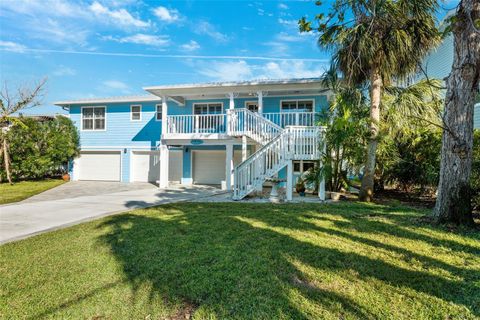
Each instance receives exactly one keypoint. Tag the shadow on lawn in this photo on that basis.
(236, 260)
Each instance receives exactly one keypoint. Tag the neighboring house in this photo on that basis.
(198, 133)
(439, 64)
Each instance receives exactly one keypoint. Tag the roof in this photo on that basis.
(138, 98)
(176, 92)
(235, 86)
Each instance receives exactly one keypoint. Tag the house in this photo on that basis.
(233, 134)
(438, 65)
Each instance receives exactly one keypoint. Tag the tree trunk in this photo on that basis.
(366, 191)
(6, 160)
(454, 199)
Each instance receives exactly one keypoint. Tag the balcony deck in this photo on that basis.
(215, 126)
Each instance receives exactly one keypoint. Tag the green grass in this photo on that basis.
(246, 261)
(25, 189)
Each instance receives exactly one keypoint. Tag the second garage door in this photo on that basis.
(209, 166)
(146, 166)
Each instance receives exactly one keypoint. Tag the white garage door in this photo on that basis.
(145, 166)
(96, 165)
(209, 166)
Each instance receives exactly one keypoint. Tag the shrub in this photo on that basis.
(40, 149)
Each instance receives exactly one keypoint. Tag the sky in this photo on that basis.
(102, 48)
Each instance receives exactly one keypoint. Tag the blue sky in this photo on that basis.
(98, 48)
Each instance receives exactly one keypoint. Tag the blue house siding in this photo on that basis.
(120, 130)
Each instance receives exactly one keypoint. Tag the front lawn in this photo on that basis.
(25, 189)
(245, 261)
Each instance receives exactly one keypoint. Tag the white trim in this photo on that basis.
(289, 100)
(131, 112)
(93, 130)
(207, 103)
(156, 111)
(90, 148)
(132, 99)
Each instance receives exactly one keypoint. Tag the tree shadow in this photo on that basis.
(236, 261)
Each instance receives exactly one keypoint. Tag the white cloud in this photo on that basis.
(166, 15)
(140, 38)
(205, 28)
(288, 22)
(54, 31)
(190, 46)
(242, 70)
(12, 46)
(282, 6)
(120, 16)
(64, 71)
(226, 71)
(291, 69)
(115, 86)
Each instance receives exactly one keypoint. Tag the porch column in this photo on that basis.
(164, 115)
(244, 148)
(260, 102)
(229, 167)
(321, 187)
(289, 191)
(231, 106)
(164, 157)
(163, 176)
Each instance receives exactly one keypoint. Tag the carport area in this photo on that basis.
(79, 201)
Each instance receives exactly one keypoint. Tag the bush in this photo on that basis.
(41, 149)
(411, 161)
(475, 178)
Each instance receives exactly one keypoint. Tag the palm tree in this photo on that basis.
(10, 105)
(376, 41)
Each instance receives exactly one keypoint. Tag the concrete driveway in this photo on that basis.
(79, 201)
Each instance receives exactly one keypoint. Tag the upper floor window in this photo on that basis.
(93, 118)
(136, 113)
(251, 106)
(297, 106)
(207, 108)
(158, 112)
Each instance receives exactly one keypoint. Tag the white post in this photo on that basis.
(260, 102)
(163, 179)
(321, 187)
(244, 148)
(229, 167)
(164, 115)
(164, 156)
(289, 190)
(231, 106)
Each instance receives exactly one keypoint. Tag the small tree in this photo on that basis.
(376, 41)
(24, 98)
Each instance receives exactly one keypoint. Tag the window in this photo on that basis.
(93, 118)
(297, 106)
(301, 166)
(252, 106)
(136, 113)
(158, 112)
(207, 108)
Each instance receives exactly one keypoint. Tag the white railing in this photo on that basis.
(252, 125)
(293, 143)
(198, 123)
(284, 119)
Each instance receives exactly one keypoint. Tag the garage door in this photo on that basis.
(209, 166)
(96, 165)
(145, 166)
